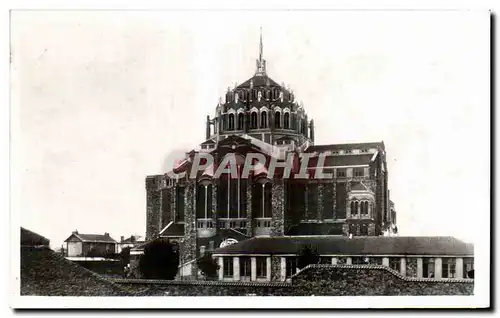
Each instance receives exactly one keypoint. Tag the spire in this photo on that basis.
(261, 63)
(261, 48)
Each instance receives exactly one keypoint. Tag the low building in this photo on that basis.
(47, 273)
(90, 245)
(131, 242)
(276, 258)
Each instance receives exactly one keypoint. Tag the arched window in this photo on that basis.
(231, 122)
(277, 120)
(253, 120)
(263, 120)
(286, 120)
(241, 121)
(356, 207)
(352, 208)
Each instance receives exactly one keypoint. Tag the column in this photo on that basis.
(402, 266)
(459, 267)
(334, 260)
(268, 269)
(319, 205)
(173, 203)
(348, 172)
(306, 205)
(283, 269)
(221, 268)
(253, 269)
(249, 208)
(438, 267)
(349, 261)
(236, 268)
(385, 261)
(278, 208)
(420, 267)
(334, 196)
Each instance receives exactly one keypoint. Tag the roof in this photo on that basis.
(29, 238)
(98, 238)
(46, 273)
(343, 160)
(133, 239)
(208, 142)
(358, 186)
(259, 80)
(173, 230)
(342, 245)
(348, 146)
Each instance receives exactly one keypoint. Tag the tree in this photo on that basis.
(125, 256)
(208, 266)
(307, 255)
(160, 260)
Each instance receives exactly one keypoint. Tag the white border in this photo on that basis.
(480, 299)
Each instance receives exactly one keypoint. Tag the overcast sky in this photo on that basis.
(100, 100)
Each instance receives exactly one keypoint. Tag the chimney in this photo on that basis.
(122, 238)
(106, 234)
(74, 232)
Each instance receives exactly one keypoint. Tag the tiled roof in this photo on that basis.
(100, 238)
(349, 146)
(342, 245)
(46, 273)
(29, 238)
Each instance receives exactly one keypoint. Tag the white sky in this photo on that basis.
(100, 99)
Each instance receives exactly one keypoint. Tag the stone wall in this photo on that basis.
(275, 268)
(188, 244)
(318, 280)
(153, 208)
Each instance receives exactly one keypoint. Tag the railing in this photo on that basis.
(237, 223)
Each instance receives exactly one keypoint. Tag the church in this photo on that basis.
(209, 211)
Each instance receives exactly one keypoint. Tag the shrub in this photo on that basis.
(160, 260)
(307, 255)
(208, 266)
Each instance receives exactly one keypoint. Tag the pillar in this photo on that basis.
(283, 269)
(438, 268)
(278, 208)
(236, 268)
(402, 266)
(334, 195)
(420, 267)
(253, 269)
(385, 261)
(334, 260)
(459, 267)
(319, 205)
(268, 269)
(349, 261)
(249, 208)
(189, 243)
(213, 208)
(221, 268)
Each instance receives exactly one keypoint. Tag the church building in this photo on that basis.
(260, 116)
